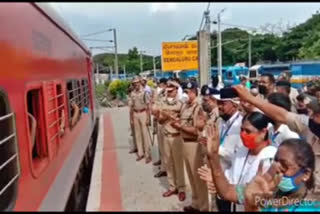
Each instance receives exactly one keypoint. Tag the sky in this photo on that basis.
(147, 25)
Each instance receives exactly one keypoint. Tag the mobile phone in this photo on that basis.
(229, 92)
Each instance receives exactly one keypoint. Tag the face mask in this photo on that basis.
(225, 117)
(170, 100)
(314, 127)
(248, 140)
(262, 89)
(287, 183)
(185, 97)
(303, 111)
(206, 107)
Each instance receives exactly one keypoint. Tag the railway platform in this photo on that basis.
(118, 181)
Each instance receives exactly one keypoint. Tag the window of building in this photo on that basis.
(9, 159)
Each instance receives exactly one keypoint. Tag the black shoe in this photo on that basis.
(190, 209)
(157, 163)
(160, 174)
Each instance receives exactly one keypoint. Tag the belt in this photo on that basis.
(173, 135)
(188, 140)
(138, 111)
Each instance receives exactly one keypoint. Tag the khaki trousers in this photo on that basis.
(160, 139)
(193, 159)
(173, 159)
(141, 134)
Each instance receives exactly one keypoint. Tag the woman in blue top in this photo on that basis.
(284, 187)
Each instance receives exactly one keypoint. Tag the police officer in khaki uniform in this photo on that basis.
(139, 113)
(172, 142)
(158, 99)
(134, 146)
(192, 153)
(211, 116)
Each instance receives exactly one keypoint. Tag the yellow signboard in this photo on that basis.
(179, 55)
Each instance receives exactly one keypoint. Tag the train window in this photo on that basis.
(61, 109)
(73, 102)
(79, 95)
(9, 162)
(36, 125)
(85, 91)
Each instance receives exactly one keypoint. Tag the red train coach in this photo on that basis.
(47, 111)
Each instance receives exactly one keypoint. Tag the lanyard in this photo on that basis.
(274, 136)
(243, 166)
(223, 136)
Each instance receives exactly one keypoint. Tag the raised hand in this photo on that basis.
(213, 140)
(262, 185)
(243, 92)
(205, 175)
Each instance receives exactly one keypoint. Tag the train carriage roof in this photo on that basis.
(48, 10)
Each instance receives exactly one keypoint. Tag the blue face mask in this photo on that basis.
(288, 184)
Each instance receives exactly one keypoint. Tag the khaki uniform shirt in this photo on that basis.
(139, 100)
(300, 123)
(173, 109)
(189, 114)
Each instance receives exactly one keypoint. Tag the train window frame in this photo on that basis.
(61, 103)
(9, 117)
(75, 96)
(37, 166)
(85, 92)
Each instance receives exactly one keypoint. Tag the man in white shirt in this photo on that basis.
(278, 132)
(229, 127)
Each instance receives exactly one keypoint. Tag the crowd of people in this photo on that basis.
(249, 147)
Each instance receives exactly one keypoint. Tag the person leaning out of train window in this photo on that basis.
(62, 123)
(76, 113)
(33, 123)
(286, 181)
(257, 147)
(308, 127)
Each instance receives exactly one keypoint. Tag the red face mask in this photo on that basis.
(248, 140)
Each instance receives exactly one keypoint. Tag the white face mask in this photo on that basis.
(185, 97)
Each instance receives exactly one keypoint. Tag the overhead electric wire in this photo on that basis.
(91, 34)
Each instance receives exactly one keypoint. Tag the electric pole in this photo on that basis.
(154, 66)
(116, 67)
(110, 67)
(204, 50)
(249, 52)
(124, 71)
(141, 61)
(219, 51)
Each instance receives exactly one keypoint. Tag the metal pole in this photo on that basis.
(141, 65)
(154, 66)
(219, 51)
(110, 67)
(98, 76)
(116, 68)
(249, 50)
(124, 71)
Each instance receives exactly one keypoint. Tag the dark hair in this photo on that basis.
(258, 120)
(163, 80)
(301, 97)
(304, 156)
(270, 76)
(284, 84)
(280, 100)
